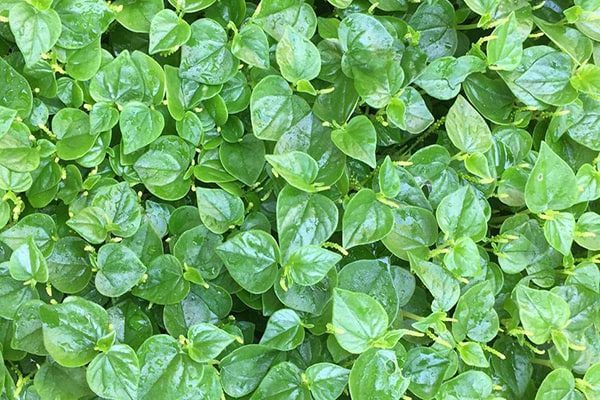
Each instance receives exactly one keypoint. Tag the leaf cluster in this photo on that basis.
(299, 200)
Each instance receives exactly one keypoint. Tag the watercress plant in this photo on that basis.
(296, 199)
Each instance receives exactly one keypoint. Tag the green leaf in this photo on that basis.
(551, 184)
(561, 343)
(441, 284)
(219, 210)
(205, 57)
(468, 385)
(244, 368)
(587, 231)
(284, 331)
(69, 266)
(91, 223)
(543, 75)
(195, 248)
(309, 264)
(274, 109)
(118, 81)
(592, 379)
(162, 168)
(146, 242)
(275, 15)
(19, 97)
(358, 320)
(36, 31)
(435, 21)
(303, 219)
(251, 258)
(366, 220)
(540, 312)
(409, 112)
(505, 50)
(140, 126)
(251, 46)
(376, 374)
(297, 57)
(389, 179)
(121, 205)
(527, 247)
(82, 21)
(136, 15)
(426, 368)
(28, 335)
(103, 117)
(326, 380)
(167, 32)
(165, 283)
(83, 63)
(40, 227)
(472, 354)
(475, 315)
(466, 128)
(462, 213)
(72, 128)
(283, 381)
(54, 381)
(463, 258)
(568, 39)
(558, 384)
(168, 372)
(357, 139)
(202, 304)
(72, 330)
(207, 342)
(119, 270)
(27, 263)
(7, 116)
(115, 373)
(190, 6)
(442, 78)
(297, 168)
(234, 158)
(587, 79)
(16, 150)
(414, 228)
(559, 231)
(13, 293)
(374, 278)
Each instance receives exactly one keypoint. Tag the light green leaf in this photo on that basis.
(27, 263)
(366, 220)
(167, 32)
(119, 270)
(466, 128)
(219, 210)
(36, 31)
(297, 57)
(251, 258)
(551, 184)
(114, 374)
(357, 139)
(140, 126)
(358, 320)
(541, 311)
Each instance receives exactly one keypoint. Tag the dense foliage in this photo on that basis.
(219, 199)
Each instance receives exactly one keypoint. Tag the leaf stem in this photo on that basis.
(540, 361)
(410, 315)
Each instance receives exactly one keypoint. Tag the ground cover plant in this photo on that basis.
(220, 199)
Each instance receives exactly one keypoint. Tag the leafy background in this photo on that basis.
(209, 199)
